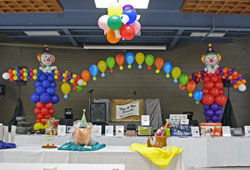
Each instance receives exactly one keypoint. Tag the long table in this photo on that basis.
(198, 152)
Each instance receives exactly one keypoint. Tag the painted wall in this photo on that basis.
(121, 84)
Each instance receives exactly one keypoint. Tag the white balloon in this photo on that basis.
(6, 76)
(80, 82)
(242, 87)
(124, 18)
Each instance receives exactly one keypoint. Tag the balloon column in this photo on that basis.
(121, 22)
(212, 94)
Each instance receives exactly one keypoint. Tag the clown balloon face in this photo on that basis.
(47, 59)
(211, 59)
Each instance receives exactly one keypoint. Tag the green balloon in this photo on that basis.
(184, 79)
(115, 22)
(150, 60)
(79, 88)
(110, 62)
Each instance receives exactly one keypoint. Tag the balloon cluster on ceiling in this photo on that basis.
(211, 96)
(121, 22)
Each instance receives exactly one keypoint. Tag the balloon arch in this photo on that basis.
(211, 96)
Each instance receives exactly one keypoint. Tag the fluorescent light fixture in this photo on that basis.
(41, 33)
(138, 4)
(124, 47)
(198, 34)
(216, 34)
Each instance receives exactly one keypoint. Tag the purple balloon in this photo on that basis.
(239, 78)
(218, 118)
(214, 118)
(230, 73)
(221, 73)
(127, 7)
(220, 107)
(218, 113)
(214, 107)
(209, 112)
(205, 107)
(210, 121)
(207, 118)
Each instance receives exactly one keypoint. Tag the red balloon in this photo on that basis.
(38, 121)
(39, 116)
(44, 111)
(43, 122)
(214, 78)
(120, 59)
(207, 99)
(221, 100)
(205, 91)
(219, 85)
(191, 86)
(48, 116)
(37, 111)
(159, 62)
(49, 105)
(206, 78)
(127, 32)
(51, 111)
(208, 85)
(222, 91)
(214, 91)
(39, 105)
(217, 71)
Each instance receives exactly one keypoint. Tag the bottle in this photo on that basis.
(83, 120)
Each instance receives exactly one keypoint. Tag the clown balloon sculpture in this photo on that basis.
(45, 83)
(121, 22)
(212, 94)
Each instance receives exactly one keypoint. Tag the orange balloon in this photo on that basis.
(243, 81)
(86, 75)
(191, 86)
(159, 62)
(111, 37)
(120, 59)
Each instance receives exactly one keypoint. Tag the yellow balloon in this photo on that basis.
(35, 71)
(176, 72)
(15, 78)
(102, 66)
(56, 71)
(85, 83)
(34, 77)
(72, 81)
(38, 126)
(14, 72)
(115, 9)
(24, 69)
(64, 75)
(25, 74)
(65, 88)
(64, 80)
(56, 77)
(74, 76)
(139, 58)
(25, 79)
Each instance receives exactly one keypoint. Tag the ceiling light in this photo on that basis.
(124, 47)
(198, 34)
(216, 34)
(41, 33)
(138, 4)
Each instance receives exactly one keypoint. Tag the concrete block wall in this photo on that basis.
(121, 84)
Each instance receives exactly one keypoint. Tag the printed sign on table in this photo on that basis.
(131, 109)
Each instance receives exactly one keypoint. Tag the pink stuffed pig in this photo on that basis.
(82, 135)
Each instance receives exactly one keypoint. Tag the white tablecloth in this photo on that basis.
(198, 152)
(109, 155)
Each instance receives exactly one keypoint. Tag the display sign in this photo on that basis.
(1, 131)
(119, 131)
(13, 134)
(184, 122)
(195, 131)
(211, 129)
(97, 130)
(145, 120)
(5, 134)
(109, 130)
(131, 109)
(61, 130)
(247, 131)
(226, 131)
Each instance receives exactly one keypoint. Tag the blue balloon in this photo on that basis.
(18, 74)
(38, 83)
(139, 66)
(130, 57)
(43, 77)
(93, 69)
(51, 78)
(35, 98)
(51, 91)
(167, 67)
(131, 13)
(28, 71)
(28, 77)
(47, 73)
(61, 77)
(38, 74)
(39, 90)
(198, 94)
(53, 84)
(45, 98)
(103, 74)
(46, 84)
(55, 99)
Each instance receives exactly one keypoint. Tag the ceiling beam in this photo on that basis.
(72, 40)
(175, 39)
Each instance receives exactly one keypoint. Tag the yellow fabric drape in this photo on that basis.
(159, 156)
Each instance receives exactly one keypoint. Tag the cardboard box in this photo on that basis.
(210, 129)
